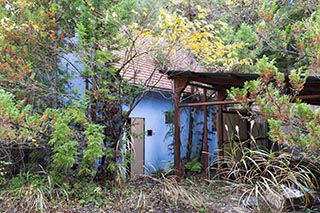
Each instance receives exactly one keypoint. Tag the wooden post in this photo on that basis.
(221, 97)
(205, 138)
(190, 133)
(179, 86)
(177, 153)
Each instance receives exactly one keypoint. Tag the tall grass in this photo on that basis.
(269, 175)
(32, 193)
(175, 195)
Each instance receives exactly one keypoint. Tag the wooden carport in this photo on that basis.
(219, 83)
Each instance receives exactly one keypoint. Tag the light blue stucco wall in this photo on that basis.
(74, 66)
(152, 108)
(197, 139)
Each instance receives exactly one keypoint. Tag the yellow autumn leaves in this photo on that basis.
(201, 37)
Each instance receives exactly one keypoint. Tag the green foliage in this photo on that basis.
(63, 145)
(304, 112)
(106, 44)
(32, 46)
(282, 30)
(18, 122)
(194, 166)
(263, 65)
(68, 140)
(94, 149)
(275, 36)
(291, 123)
(42, 193)
(88, 193)
(298, 79)
(306, 32)
(275, 132)
(69, 131)
(245, 35)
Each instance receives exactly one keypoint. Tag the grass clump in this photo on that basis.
(271, 177)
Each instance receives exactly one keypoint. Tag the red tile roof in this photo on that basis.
(143, 69)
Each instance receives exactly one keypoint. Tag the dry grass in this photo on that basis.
(164, 194)
(145, 194)
(32, 198)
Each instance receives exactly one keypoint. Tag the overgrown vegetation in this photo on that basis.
(58, 148)
(41, 193)
(293, 127)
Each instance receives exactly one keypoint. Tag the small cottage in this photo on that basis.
(152, 119)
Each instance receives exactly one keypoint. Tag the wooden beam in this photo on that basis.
(202, 86)
(179, 85)
(208, 103)
(225, 82)
(304, 97)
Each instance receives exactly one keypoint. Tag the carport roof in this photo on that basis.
(221, 81)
